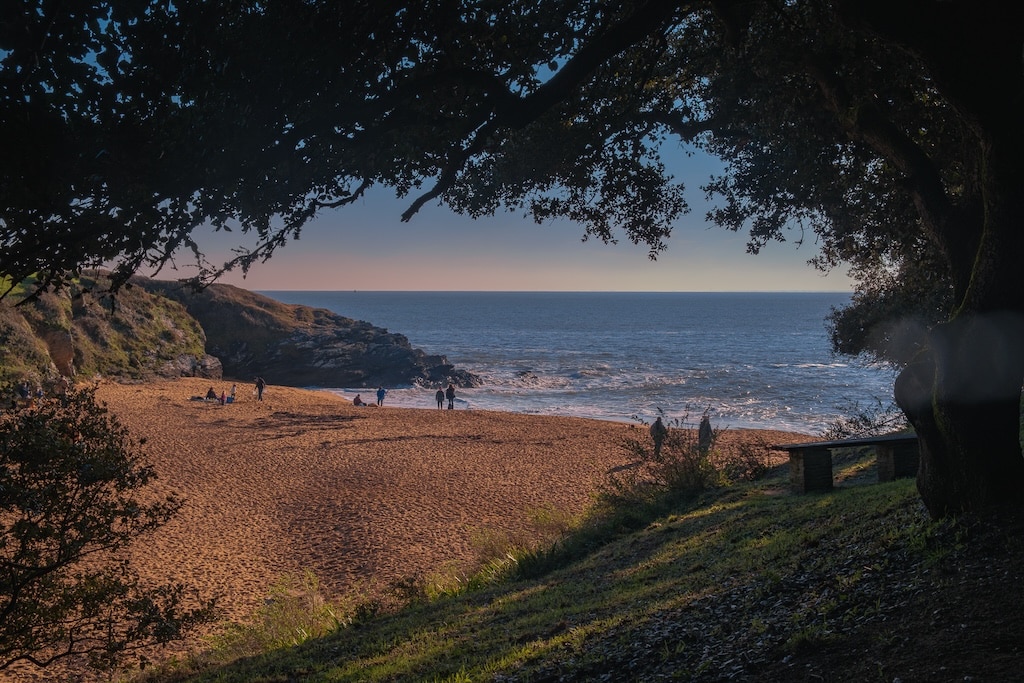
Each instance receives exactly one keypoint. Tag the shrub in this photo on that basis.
(748, 460)
(294, 612)
(683, 464)
(71, 504)
(874, 420)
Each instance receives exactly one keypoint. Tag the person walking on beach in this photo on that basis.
(658, 433)
(232, 394)
(260, 386)
(440, 399)
(380, 395)
(449, 393)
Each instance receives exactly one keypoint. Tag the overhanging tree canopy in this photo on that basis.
(872, 127)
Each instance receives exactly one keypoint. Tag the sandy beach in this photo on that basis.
(360, 496)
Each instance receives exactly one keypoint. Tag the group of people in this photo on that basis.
(448, 394)
(442, 395)
(211, 395)
(705, 435)
(381, 393)
(25, 396)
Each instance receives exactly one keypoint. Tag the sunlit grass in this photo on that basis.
(616, 586)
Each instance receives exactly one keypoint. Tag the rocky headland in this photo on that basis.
(162, 329)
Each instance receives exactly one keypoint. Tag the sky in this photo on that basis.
(367, 247)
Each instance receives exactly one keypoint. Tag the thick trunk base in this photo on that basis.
(963, 399)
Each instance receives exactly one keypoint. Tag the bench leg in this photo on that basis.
(810, 469)
(897, 461)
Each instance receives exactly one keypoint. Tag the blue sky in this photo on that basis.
(367, 247)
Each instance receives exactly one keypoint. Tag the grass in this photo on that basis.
(682, 587)
(129, 336)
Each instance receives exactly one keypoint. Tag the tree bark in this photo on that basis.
(963, 398)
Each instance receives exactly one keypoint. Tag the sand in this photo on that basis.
(360, 496)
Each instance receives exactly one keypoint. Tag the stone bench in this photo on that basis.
(810, 464)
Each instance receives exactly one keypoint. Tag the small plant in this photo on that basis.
(294, 612)
(683, 463)
(749, 460)
(880, 418)
(75, 496)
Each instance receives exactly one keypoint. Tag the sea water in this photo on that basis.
(751, 360)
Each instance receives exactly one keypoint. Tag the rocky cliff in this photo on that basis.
(82, 333)
(254, 335)
(155, 328)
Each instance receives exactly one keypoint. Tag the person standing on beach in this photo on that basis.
(705, 435)
(380, 395)
(260, 386)
(658, 433)
(449, 393)
(440, 399)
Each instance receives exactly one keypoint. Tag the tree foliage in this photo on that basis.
(73, 499)
(888, 133)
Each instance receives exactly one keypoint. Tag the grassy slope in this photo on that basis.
(748, 583)
(127, 337)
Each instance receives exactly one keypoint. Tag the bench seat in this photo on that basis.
(810, 464)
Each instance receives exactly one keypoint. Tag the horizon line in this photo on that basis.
(565, 291)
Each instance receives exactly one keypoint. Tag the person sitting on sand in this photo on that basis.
(211, 394)
(358, 401)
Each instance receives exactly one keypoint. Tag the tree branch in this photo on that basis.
(646, 21)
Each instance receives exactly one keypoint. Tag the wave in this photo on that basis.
(604, 356)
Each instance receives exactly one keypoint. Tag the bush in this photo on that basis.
(294, 612)
(748, 460)
(72, 502)
(683, 464)
(873, 420)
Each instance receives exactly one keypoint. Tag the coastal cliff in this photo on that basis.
(155, 328)
(301, 346)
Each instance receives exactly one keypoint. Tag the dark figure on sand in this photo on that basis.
(440, 398)
(705, 435)
(211, 394)
(449, 394)
(380, 395)
(260, 386)
(658, 433)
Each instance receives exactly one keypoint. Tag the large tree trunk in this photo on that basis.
(963, 398)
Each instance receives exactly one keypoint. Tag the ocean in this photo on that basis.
(751, 360)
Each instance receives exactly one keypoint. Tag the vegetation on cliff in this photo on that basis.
(83, 332)
(159, 328)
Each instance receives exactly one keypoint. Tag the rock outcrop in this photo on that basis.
(82, 333)
(293, 345)
(156, 328)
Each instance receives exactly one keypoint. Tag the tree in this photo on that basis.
(870, 126)
(72, 500)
